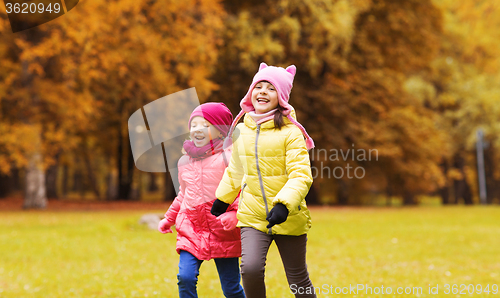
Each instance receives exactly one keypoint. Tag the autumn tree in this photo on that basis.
(97, 65)
(461, 86)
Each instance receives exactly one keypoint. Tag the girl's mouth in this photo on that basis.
(262, 100)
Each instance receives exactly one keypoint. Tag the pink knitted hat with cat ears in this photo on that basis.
(282, 80)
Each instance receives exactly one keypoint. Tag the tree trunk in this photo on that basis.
(9, 182)
(389, 193)
(492, 189)
(35, 195)
(136, 192)
(5, 185)
(65, 181)
(130, 167)
(16, 179)
(81, 183)
(153, 185)
(462, 188)
(462, 191)
(51, 179)
(169, 193)
(312, 197)
(444, 192)
(90, 173)
(409, 198)
(111, 192)
(125, 168)
(78, 183)
(342, 192)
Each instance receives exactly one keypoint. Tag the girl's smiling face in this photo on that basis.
(264, 97)
(201, 131)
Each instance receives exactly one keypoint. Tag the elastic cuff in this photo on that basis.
(287, 205)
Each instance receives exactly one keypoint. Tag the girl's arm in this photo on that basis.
(234, 205)
(174, 208)
(228, 219)
(298, 168)
(171, 214)
(230, 184)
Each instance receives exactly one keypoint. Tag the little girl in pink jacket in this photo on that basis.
(200, 235)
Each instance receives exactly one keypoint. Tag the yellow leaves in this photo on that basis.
(420, 90)
(36, 68)
(478, 25)
(325, 30)
(17, 142)
(288, 27)
(454, 174)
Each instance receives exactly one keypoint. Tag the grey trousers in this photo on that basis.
(255, 246)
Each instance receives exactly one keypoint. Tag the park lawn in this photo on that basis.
(108, 254)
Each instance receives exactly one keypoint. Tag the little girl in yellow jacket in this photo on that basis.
(270, 164)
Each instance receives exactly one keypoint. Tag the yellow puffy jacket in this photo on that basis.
(270, 166)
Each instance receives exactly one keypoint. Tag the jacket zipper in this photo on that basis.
(270, 232)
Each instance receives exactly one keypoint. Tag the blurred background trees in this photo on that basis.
(392, 92)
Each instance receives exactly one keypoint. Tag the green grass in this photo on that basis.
(107, 254)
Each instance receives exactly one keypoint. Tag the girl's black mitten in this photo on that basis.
(277, 215)
(219, 207)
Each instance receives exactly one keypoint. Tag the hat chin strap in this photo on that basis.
(309, 140)
(228, 141)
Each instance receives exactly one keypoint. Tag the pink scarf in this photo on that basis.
(213, 147)
(261, 118)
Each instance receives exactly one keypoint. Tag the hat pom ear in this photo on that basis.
(291, 69)
(262, 66)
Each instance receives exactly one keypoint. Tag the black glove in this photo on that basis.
(219, 207)
(277, 215)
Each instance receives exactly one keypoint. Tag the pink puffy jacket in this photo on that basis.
(198, 231)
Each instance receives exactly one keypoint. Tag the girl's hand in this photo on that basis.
(219, 207)
(164, 226)
(228, 220)
(277, 215)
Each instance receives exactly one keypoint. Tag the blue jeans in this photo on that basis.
(189, 269)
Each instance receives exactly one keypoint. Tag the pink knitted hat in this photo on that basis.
(216, 113)
(282, 80)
